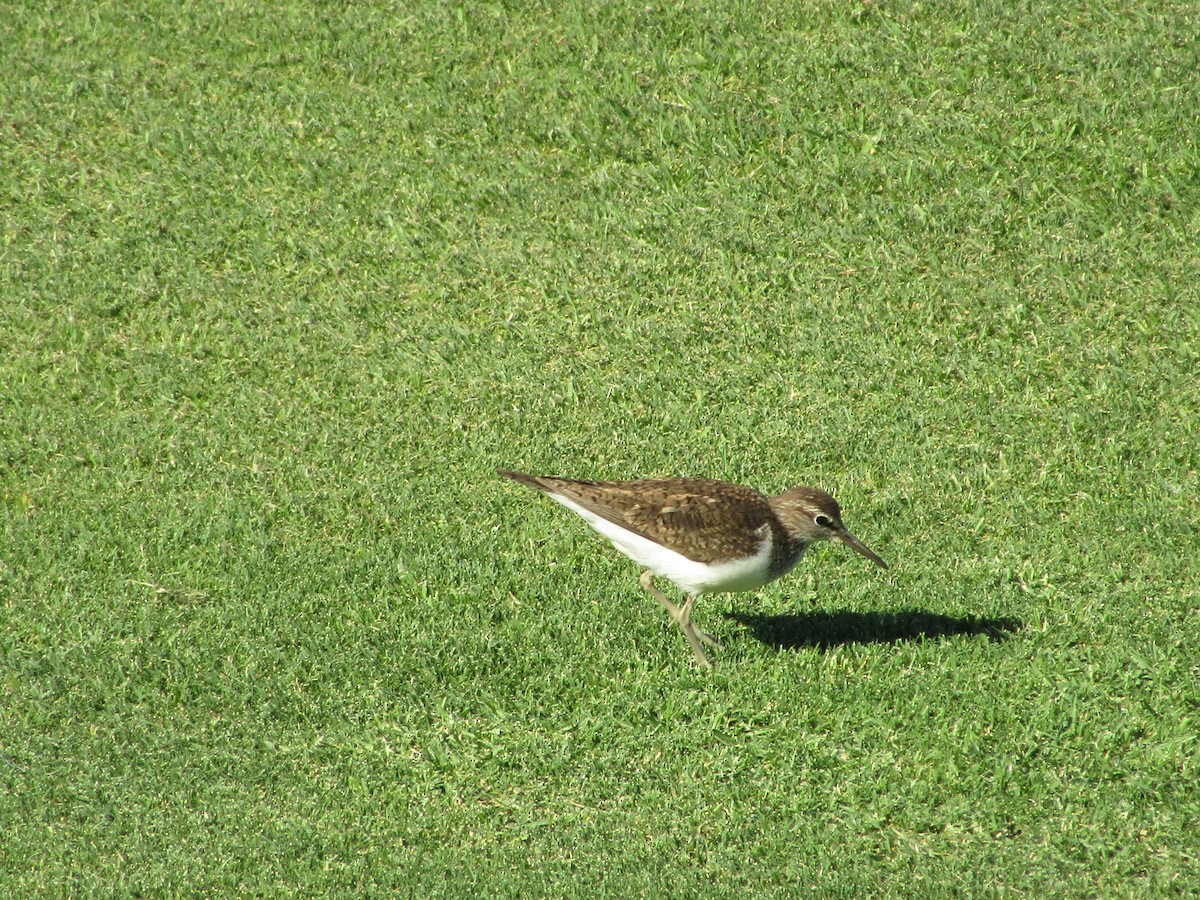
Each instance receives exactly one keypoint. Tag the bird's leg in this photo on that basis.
(689, 631)
(647, 581)
(686, 622)
(681, 616)
(676, 613)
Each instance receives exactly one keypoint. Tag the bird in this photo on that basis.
(704, 536)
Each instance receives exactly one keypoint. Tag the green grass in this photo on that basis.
(280, 286)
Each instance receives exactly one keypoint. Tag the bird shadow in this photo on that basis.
(834, 629)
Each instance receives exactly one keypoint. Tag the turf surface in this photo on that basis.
(280, 285)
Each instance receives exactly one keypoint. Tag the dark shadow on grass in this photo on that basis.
(833, 629)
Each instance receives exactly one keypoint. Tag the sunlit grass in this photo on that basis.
(283, 286)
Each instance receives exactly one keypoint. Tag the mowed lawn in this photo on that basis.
(282, 284)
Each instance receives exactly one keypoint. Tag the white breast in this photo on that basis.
(687, 574)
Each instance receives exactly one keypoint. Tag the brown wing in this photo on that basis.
(702, 519)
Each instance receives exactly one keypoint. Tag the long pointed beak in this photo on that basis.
(858, 547)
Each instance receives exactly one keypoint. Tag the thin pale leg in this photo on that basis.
(689, 631)
(682, 616)
(647, 581)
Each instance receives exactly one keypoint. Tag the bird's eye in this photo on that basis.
(824, 521)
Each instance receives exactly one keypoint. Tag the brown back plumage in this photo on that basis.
(703, 519)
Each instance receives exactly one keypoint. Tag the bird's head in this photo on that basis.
(811, 515)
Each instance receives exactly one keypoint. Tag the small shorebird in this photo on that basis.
(705, 536)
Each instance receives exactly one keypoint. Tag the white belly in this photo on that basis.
(687, 574)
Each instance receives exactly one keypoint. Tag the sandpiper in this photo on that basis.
(705, 536)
